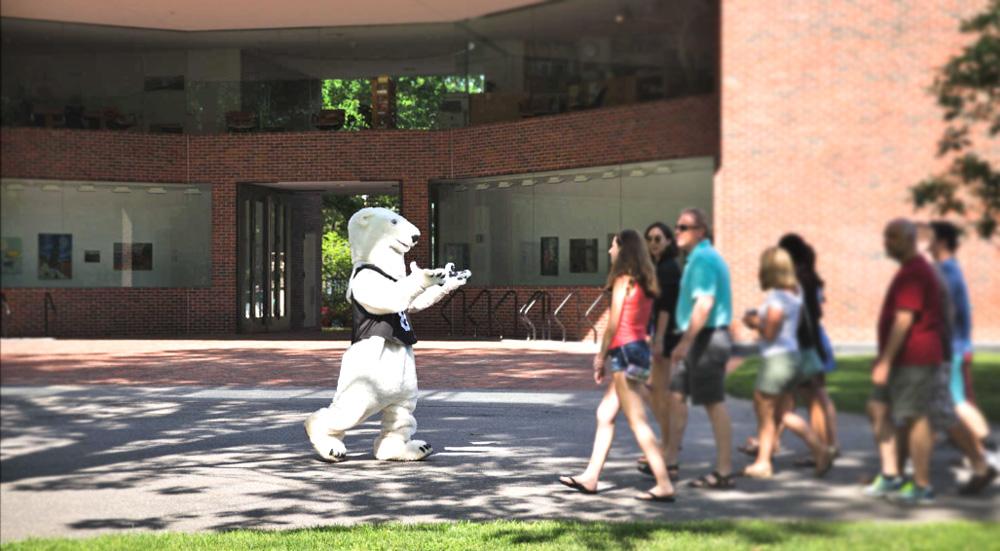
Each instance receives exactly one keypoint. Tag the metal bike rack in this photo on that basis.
(489, 312)
(542, 296)
(46, 304)
(586, 315)
(555, 314)
(496, 308)
(448, 302)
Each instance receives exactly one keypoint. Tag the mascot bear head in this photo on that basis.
(381, 237)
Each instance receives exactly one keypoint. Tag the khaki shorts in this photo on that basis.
(909, 391)
(778, 373)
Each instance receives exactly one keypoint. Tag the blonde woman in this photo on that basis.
(625, 349)
(777, 322)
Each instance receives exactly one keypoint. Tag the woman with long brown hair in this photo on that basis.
(625, 348)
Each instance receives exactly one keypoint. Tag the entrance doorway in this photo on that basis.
(264, 223)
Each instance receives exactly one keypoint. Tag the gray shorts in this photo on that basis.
(909, 391)
(943, 415)
(702, 374)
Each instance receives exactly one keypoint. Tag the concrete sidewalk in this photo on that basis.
(87, 459)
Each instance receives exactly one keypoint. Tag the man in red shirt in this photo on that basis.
(910, 350)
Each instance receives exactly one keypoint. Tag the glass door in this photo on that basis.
(263, 259)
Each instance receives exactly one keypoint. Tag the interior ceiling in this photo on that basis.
(360, 36)
(199, 15)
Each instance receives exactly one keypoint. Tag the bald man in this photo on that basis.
(910, 352)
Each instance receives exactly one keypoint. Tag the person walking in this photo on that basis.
(625, 349)
(663, 252)
(777, 322)
(822, 410)
(704, 312)
(909, 353)
(964, 423)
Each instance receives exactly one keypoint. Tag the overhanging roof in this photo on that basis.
(199, 15)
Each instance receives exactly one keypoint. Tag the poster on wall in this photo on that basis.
(55, 256)
(11, 253)
(133, 256)
(582, 256)
(550, 256)
(457, 253)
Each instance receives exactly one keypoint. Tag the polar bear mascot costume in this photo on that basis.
(377, 373)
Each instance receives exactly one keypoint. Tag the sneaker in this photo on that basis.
(912, 494)
(978, 482)
(883, 486)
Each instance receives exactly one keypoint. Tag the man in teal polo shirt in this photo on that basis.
(704, 312)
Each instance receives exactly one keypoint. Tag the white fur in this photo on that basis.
(377, 375)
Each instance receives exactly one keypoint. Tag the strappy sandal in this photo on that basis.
(713, 481)
(673, 471)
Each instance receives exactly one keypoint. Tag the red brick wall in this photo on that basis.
(826, 121)
(658, 130)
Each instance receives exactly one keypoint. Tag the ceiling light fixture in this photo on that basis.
(581, 178)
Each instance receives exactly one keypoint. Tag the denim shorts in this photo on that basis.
(631, 359)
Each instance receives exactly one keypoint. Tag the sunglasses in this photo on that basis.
(684, 227)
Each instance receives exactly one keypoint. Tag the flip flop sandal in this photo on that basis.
(713, 481)
(759, 476)
(571, 482)
(650, 496)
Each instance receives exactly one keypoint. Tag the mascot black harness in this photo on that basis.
(394, 327)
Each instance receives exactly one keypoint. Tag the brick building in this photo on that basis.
(812, 118)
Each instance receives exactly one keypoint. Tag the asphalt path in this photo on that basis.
(83, 460)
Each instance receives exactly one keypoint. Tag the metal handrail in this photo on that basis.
(46, 304)
(447, 302)
(586, 315)
(555, 314)
(496, 308)
(467, 307)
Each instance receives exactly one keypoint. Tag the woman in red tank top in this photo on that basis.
(625, 349)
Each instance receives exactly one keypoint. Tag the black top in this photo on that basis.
(395, 327)
(668, 275)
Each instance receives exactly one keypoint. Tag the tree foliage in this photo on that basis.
(418, 98)
(968, 89)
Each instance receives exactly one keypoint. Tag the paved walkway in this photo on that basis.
(106, 436)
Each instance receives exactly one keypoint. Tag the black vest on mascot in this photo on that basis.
(392, 327)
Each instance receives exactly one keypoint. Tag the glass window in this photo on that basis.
(105, 234)
(553, 228)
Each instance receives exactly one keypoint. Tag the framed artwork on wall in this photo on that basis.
(458, 254)
(55, 256)
(583, 256)
(550, 256)
(91, 256)
(133, 256)
(11, 253)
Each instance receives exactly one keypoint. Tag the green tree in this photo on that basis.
(418, 98)
(968, 89)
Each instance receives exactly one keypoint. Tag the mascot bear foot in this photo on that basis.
(395, 449)
(328, 447)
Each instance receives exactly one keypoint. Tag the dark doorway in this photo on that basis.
(264, 226)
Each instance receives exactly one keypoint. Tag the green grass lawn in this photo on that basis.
(567, 535)
(850, 384)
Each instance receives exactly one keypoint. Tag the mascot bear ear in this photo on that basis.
(364, 218)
